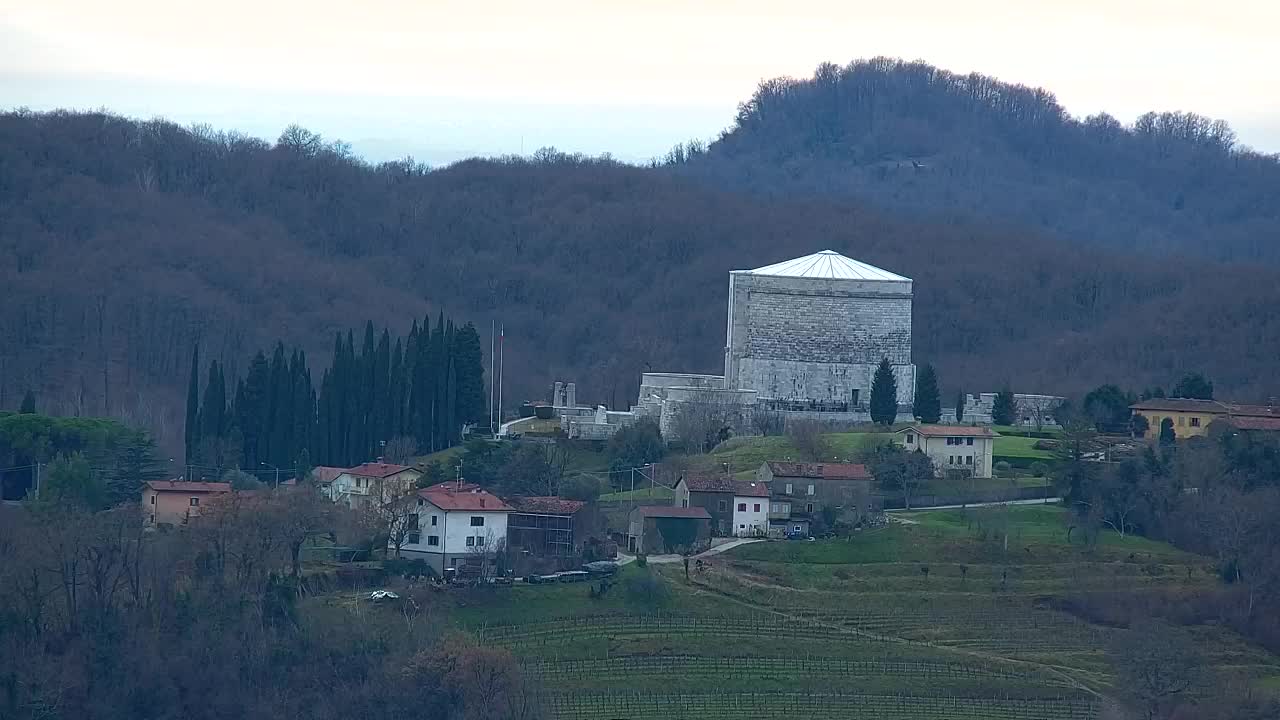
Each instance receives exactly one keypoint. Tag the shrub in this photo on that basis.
(409, 568)
(1003, 467)
(641, 560)
(649, 590)
(1039, 469)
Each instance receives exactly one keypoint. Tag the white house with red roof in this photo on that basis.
(372, 483)
(750, 509)
(457, 524)
(952, 447)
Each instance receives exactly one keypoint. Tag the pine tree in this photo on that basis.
(960, 402)
(928, 404)
(1004, 410)
(191, 433)
(28, 406)
(884, 394)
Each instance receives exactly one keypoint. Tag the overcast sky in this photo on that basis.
(445, 79)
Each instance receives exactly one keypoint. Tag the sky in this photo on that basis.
(443, 79)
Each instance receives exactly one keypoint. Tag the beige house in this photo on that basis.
(173, 502)
(952, 447)
(372, 483)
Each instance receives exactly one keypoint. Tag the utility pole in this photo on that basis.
(502, 335)
(37, 480)
(493, 339)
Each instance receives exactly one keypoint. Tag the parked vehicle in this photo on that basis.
(601, 567)
(569, 576)
(542, 579)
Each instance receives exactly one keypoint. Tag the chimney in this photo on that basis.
(481, 502)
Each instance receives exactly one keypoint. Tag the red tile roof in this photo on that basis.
(745, 488)
(544, 505)
(377, 470)
(184, 486)
(325, 475)
(453, 486)
(1249, 422)
(825, 471)
(668, 511)
(1181, 405)
(951, 431)
(1261, 411)
(468, 499)
(715, 483)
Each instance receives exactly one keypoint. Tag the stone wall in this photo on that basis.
(802, 338)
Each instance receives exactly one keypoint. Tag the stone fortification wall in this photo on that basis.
(818, 339)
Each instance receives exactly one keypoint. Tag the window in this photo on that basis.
(433, 520)
(479, 540)
(153, 499)
(413, 522)
(742, 507)
(757, 507)
(968, 441)
(795, 528)
(1182, 420)
(471, 542)
(854, 394)
(195, 502)
(413, 539)
(810, 492)
(742, 527)
(1195, 422)
(433, 540)
(724, 505)
(419, 502)
(684, 503)
(808, 508)
(477, 521)
(968, 460)
(910, 438)
(788, 488)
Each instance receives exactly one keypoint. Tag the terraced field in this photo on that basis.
(936, 617)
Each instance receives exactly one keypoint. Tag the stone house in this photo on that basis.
(665, 529)
(713, 493)
(801, 491)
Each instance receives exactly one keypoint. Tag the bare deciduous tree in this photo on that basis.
(1157, 663)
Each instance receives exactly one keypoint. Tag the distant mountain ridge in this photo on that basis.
(910, 136)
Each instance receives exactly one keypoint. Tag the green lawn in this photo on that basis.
(1020, 447)
(640, 495)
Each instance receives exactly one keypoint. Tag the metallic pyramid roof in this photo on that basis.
(826, 265)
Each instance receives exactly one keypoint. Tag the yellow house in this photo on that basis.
(1191, 418)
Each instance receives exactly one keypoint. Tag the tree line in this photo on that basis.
(599, 271)
(388, 398)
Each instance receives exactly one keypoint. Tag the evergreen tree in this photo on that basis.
(469, 370)
(135, 464)
(1004, 411)
(28, 406)
(884, 394)
(382, 407)
(960, 402)
(1167, 434)
(397, 391)
(213, 409)
(928, 404)
(1193, 386)
(253, 413)
(191, 432)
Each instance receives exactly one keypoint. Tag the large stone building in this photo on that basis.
(804, 338)
(812, 331)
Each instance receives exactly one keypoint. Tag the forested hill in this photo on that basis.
(123, 242)
(910, 136)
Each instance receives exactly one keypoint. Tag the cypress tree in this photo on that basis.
(883, 402)
(279, 411)
(469, 370)
(884, 394)
(213, 409)
(253, 413)
(28, 406)
(928, 404)
(352, 453)
(397, 390)
(191, 433)
(382, 409)
(1005, 408)
(960, 398)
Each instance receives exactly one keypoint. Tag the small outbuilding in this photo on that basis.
(664, 529)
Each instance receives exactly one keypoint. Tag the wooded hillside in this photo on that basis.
(124, 242)
(911, 136)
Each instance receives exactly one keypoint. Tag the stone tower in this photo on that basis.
(813, 329)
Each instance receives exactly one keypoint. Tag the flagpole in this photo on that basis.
(502, 352)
